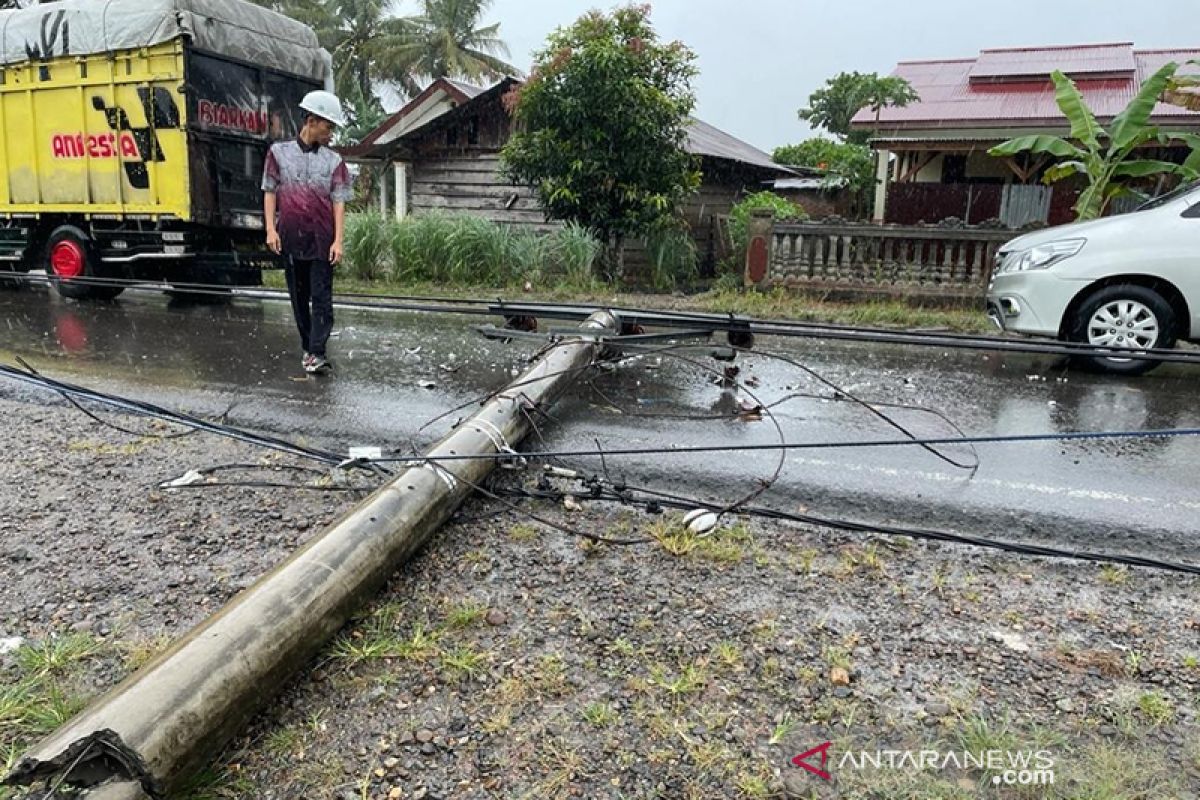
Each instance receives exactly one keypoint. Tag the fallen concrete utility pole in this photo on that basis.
(163, 723)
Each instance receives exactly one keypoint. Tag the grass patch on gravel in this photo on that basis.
(41, 690)
(723, 545)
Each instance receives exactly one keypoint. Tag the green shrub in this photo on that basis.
(780, 207)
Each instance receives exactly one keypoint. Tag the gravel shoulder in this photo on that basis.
(512, 660)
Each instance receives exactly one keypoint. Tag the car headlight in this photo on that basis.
(1040, 257)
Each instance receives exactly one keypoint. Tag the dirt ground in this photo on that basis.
(512, 660)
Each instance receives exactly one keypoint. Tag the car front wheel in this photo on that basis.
(1123, 317)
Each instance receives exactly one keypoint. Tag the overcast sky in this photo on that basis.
(760, 59)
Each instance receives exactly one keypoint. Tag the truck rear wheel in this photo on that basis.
(70, 263)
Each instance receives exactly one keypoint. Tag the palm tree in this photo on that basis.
(363, 37)
(448, 43)
(371, 47)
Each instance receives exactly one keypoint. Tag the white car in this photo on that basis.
(1126, 282)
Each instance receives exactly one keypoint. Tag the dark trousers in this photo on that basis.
(310, 285)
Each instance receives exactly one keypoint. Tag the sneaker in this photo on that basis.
(317, 364)
(308, 358)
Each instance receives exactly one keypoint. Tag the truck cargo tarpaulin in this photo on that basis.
(135, 136)
(236, 29)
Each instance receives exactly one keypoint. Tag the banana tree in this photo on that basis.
(1104, 156)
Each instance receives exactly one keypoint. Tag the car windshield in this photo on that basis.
(1169, 196)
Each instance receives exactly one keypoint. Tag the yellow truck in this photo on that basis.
(132, 137)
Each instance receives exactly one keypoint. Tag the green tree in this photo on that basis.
(844, 95)
(601, 128)
(371, 47)
(448, 43)
(849, 162)
(367, 43)
(1104, 157)
(363, 114)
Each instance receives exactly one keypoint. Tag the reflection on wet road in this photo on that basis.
(397, 370)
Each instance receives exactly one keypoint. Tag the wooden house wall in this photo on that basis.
(456, 169)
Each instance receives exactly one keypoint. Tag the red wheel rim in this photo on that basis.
(67, 259)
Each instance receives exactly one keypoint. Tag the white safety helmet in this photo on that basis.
(324, 105)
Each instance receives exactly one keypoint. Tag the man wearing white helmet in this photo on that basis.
(305, 188)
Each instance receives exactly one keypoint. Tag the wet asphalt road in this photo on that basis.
(241, 357)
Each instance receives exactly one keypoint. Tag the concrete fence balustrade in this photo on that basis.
(935, 263)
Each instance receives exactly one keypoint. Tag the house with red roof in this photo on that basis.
(932, 154)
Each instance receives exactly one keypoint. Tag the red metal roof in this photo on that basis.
(1013, 97)
(1035, 62)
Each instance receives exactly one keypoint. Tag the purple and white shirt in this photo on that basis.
(307, 180)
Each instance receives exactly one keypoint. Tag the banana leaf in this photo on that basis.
(1184, 90)
(1090, 203)
(1127, 125)
(1145, 168)
(1192, 162)
(1064, 170)
(1039, 143)
(1084, 127)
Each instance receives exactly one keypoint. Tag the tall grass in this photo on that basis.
(366, 246)
(672, 257)
(572, 254)
(468, 251)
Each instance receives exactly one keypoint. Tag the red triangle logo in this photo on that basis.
(802, 760)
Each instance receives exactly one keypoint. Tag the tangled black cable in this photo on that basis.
(157, 412)
(662, 350)
(973, 468)
(840, 394)
(107, 423)
(624, 495)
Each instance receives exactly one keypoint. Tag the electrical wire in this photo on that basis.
(712, 321)
(839, 394)
(749, 448)
(268, 485)
(795, 328)
(157, 412)
(869, 407)
(680, 502)
(107, 423)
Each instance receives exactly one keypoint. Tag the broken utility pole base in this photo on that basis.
(167, 720)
